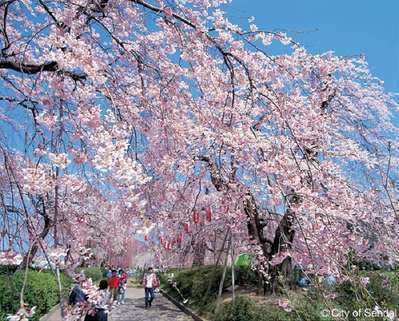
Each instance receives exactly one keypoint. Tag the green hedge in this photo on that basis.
(94, 273)
(382, 289)
(246, 309)
(41, 291)
(201, 284)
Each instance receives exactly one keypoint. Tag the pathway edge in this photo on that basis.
(49, 313)
(182, 307)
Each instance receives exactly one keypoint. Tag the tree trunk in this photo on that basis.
(199, 252)
(284, 234)
(283, 238)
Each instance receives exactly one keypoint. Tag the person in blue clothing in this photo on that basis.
(77, 295)
(109, 273)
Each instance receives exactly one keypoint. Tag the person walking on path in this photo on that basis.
(122, 287)
(113, 284)
(150, 283)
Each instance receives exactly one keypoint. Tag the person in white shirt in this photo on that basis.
(150, 282)
(101, 305)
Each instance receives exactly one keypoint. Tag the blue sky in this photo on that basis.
(348, 27)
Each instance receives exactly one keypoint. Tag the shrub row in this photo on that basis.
(41, 291)
(382, 290)
(201, 284)
(94, 273)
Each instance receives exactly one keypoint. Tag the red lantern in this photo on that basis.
(146, 237)
(196, 217)
(209, 214)
(166, 245)
(187, 228)
(179, 238)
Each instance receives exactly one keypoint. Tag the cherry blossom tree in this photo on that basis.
(125, 110)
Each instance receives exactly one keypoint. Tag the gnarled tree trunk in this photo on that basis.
(199, 251)
(284, 234)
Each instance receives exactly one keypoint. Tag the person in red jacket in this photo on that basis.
(113, 283)
(150, 282)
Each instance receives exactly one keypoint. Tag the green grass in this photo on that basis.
(306, 305)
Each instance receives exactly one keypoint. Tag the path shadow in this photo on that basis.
(165, 308)
(162, 306)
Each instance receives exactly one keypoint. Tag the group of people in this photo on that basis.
(112, 291)
(117, 280)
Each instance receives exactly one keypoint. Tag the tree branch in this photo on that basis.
(31, 69)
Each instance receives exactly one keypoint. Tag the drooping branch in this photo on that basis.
(159, 10)
(31, 69)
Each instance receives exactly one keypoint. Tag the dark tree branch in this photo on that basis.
(31, 69)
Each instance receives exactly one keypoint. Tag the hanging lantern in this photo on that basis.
(167, 245)
(179, 238)
(196, 217)
(209, 214)
(187, 227)
(146, 237)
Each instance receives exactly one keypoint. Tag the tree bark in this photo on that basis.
(283, 238)
(284, 234)
(199, 252)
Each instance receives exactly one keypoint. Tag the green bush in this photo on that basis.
(199, 284)
(96, 274)
(8, 269)
(41, 291)
(242, 309)
(382, 290)
(246, 309)
(245, 276)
